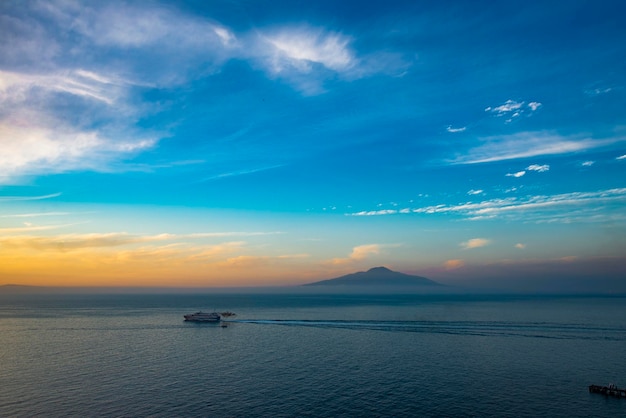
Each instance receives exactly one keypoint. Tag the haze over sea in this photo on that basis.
(311, 355)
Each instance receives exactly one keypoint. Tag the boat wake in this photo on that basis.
(496, 329)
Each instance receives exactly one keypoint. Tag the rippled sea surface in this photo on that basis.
(311, 355)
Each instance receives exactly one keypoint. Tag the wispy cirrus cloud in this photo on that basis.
(517, 174)
(152, 33)
(595, 206)
(23, 198)
(43, 135)
(35, 214)
(306, 57)
(31, 228)
(65, 242)
(241, 172)
(538, 208)
(598, 91)
(89, 65)
(15, 87)
(530, 144)
(68, 242)
(301, 48)
(57, 147)
(134, 26)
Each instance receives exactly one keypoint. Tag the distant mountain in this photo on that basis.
(377, 276)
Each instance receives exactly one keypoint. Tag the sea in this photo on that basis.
(311, 355)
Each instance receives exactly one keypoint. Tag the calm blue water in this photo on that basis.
(298, 355)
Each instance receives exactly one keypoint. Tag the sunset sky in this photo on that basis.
(247, 143)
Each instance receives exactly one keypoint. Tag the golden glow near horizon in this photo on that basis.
(76, 261)
(122, 259)
(63, 250)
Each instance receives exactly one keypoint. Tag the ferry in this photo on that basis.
(203, 317)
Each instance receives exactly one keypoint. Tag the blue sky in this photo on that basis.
(228, 143)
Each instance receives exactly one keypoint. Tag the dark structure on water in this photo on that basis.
(610, 390)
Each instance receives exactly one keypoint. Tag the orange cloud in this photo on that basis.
(475, 243)
(360, 253)
(454, 264)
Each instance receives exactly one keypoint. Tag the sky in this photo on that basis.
(230, 143)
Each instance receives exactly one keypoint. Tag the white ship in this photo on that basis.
(203, 317)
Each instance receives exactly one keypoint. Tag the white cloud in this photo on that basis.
(588, 163)
(39, 139)
(18, 87)
(474, 192)
(507, 107)
(513, 109)
(306, 57)
(621, 157)
(71, 110)
(538, 168)
(594, 206)
(517, 174)
(50, 148)
(377, 212)
(455, 130)
(536, 207)
(520, 246)
(299, 48)
(529, 144)
(145, 33)
(136, 26)
(475, 243)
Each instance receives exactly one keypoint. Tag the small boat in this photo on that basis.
(610, 390)
(203, 317)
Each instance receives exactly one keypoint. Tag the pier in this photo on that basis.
(610, 390)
